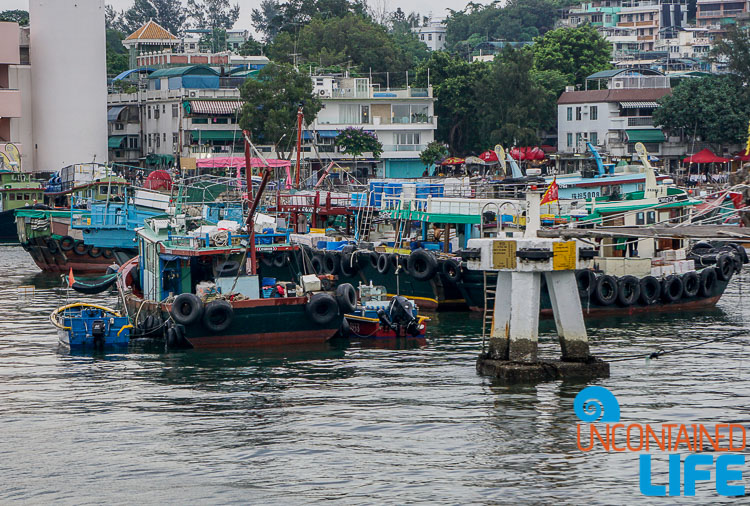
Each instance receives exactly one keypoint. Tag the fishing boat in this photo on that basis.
(81, 325)
(206, 281)
(379, 316)
(17, 191)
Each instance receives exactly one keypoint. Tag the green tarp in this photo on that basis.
(116, 141)
(203, 136)
(644, 136)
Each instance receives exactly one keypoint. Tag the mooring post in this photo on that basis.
(520, 263)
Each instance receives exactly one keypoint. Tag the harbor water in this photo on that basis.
(391, 422)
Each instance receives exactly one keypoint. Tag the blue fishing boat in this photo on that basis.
(81, 325)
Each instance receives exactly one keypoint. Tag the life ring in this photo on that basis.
(218, 315)
(724, 266)
(331, 263)
(347, 267)
(709, 278)
(650, 290)
(586, 281)
(628, 290)
(421, 265)
(451, 270)
(95, 252)
(346, 297)
(187, 308)
(81, 248)
(52, 246)
(605, 291)
(280, 259)
(691, 284)
(384, 264)
(67, 243)
(322, 308)
(108, 253)
(671, 289)
(317, 263)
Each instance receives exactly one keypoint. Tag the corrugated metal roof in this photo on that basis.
(626, 95)
(638, 105)
(215, 106)
(151, 31)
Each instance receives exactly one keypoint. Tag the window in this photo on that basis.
(158, 140)
(11, 196)
(156, 112)
(349, 114)
(221, 121)
(164, 108)
(570, 140)
(594, 110)
(119, 126)
(422, 37)
(175, 109)
(133, 142)
(149, 141)
(593, 138)
(200, 121)
(570, 114)
(429, 36)
(579, 138)
(650, 217)
(440, 37)
(640, 219)
(165, 136)
(175, 138)
(407, 138)
(578, 113)
(148, 110)
(26, 196)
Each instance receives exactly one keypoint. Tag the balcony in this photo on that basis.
(636, 121)
(404, 147)
(10, 103)
(648, 22)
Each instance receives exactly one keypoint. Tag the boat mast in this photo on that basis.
(267, 170)
(300, 115)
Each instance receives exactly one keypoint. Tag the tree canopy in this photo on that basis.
(714, 108)
(355, 141)
(575, 52)
(271, 102)
(275, 16)
(734, 51)
(19, 16)
(168, 13)
(433, 153)
(213, 14)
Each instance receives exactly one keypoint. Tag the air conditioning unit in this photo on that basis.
(618, 85)
(192, 94)
(324, 93)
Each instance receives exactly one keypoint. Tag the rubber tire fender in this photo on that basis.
(187, 308)
(650, 290)
(671, 289)
(709, 278)
(628, 290)
(280, 259)
(740, 249)
(67, 243)
(346, 297)
(228, 269)
(451, 270)
(317, 263)
(393, 260)
(347, 267)
(724, 267)
(384, 264)
(52, 246)
(267, 259)
(737, 260)
(95, 252)
(367, 259)
(322, 308)
(422, 265)
(605, 291)
(345, 330)
(212, 315)
(691, 284)
(108, 253)
(586, 281)
(81, 248)
(331, 263)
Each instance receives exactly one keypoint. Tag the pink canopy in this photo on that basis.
(239, 161)
(704, 156)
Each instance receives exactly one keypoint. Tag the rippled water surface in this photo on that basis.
(397, 424)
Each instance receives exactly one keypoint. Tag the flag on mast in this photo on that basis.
(550, 195)
(71, 279)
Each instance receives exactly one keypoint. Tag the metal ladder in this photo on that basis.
(365, 221)
(488, 319)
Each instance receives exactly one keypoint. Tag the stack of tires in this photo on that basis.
(323, 308)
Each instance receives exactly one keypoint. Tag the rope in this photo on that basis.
(661, 351)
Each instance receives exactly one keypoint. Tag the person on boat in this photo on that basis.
(437, 232)
(426, 172)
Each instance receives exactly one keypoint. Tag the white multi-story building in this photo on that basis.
(432, 34)
(403, 120)
(616, 118)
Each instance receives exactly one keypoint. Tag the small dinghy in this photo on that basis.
(82, 325)
(378, 316)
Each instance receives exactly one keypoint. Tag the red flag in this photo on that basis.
(71, 279)
(550, 195)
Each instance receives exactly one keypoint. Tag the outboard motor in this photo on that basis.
(400, 315)
(98, 329)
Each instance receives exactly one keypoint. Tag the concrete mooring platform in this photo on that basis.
(505, 371)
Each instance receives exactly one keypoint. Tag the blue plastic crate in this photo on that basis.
(268, 282)
(268, 291)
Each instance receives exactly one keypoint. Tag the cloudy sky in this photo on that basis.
(437, 8)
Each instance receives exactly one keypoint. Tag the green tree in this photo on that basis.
(268, 19)
(275, 16)
(355, 141)
(19, 16)
(433, 153)
(733, 50)
(576, 52)
(167, 13)
(250, 47)
(714, 108)
(271, 102)
(117, 58)
(212, 14)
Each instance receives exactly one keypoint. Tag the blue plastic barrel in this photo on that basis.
(359, 200)
(437, 189)
(377, 186)
(393, 189)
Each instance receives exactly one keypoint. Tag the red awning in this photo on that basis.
(527, 153)
(705, 156)
(489, 156)
(214, 106)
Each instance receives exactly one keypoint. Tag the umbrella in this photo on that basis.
(527, 153)
(473, 160)
(452, 160)
(489, 156)
(704, 156)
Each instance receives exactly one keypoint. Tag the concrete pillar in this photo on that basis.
(568, 315)
(524, 316)
(533, 214)
(499, 337)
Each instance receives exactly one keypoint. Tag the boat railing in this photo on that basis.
(231, 240)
